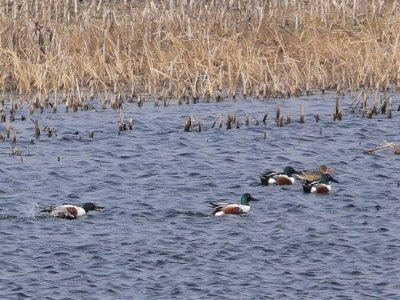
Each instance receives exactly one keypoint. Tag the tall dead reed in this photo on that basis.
(182, 48)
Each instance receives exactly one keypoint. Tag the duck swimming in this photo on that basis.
(68, 211)
(279, 178)
(319, 186)
(221, 209)
(315, 174)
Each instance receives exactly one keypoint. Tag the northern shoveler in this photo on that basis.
(279, 178)
(68, 211)
(319, 186)
(221, 209)
(314, 175)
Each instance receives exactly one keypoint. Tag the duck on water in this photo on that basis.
(68, 211)
(221, 209)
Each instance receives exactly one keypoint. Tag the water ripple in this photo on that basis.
(157, 239)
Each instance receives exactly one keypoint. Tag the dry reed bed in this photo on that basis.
(187, 48)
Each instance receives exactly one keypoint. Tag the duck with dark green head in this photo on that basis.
(221, 209)
(68, 211)
(321, 186)
(279, 178)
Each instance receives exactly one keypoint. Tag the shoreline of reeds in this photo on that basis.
(187, 48)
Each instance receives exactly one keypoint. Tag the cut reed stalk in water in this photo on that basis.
(187, 124)
(280, 121)
(13, 137)
(37, 128)
(288, 118)
(278, 111)
(221, 120)
(301, 114)
(375, 103)
(199, 122)
(337, 115)
(389, 114)
(247, 120)
(369, 113)
(229, 122)
(265, 118)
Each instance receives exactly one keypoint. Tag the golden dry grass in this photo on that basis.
(181, 48)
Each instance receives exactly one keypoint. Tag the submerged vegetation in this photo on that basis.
(187, 48)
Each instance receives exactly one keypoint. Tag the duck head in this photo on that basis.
(91, 206)
(326, 178)
(289, 171)
(246, 198)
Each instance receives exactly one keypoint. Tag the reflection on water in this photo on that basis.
(157, 238)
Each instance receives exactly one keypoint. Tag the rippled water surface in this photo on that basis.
(157, 239)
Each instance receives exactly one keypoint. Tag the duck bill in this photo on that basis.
(254, 199)
(334, 180)
(99, 208)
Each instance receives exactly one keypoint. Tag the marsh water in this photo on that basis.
(157, 239)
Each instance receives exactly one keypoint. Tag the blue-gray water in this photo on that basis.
(157, 239)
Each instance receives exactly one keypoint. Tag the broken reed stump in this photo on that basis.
(37, 128)
(265, 118)
(230, 121)
(140, 101)
(219, 118)
(14, 137)
(369, 113)
(337, 115)
(247, 120)
(278, 111)
(122, 126)
(280, 121)
(190, 123)
(389, 113)
(91, 134)
(288, 117)
(384, 104)
(256, 121)
(302, 114)
(187, 124)
(374, 105)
